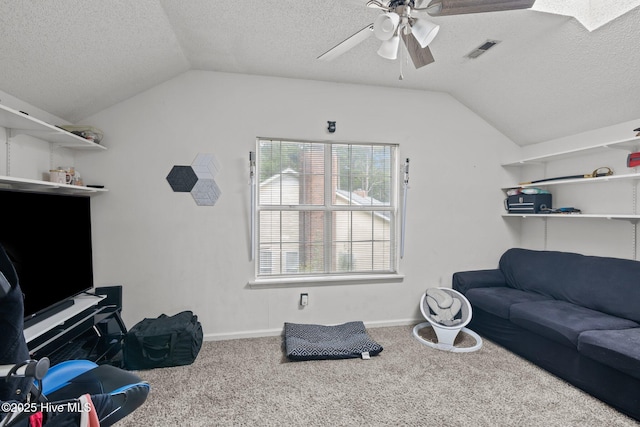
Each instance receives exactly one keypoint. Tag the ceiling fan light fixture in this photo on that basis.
(389, 48)
(385, 25)
(424, 31)
(375, 4)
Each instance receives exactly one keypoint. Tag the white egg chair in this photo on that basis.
(447, 311)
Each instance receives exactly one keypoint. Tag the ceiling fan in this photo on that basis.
(398, 21)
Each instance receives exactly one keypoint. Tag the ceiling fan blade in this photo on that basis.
(420, 56)
(459, 7)
(347, 44)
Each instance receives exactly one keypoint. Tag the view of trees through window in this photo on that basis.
(325, 208)
(360, 167)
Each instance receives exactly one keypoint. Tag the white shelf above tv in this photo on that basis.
(21, 123)
(24, 184)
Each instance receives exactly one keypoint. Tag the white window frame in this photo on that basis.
(285, 279)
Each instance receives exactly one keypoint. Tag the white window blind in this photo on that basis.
(326, 208)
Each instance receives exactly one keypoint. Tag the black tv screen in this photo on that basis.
(48, 238)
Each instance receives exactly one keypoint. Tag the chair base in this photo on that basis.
(446, 337)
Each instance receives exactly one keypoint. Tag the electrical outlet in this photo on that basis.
(304, 300)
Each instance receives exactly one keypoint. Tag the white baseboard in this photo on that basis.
(278, 331)
(243, 334)
(387, 323)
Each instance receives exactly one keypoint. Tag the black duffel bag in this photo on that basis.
(163, 341)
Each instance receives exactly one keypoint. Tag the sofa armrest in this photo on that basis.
(465, 280)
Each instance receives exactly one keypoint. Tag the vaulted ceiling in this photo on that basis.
(548, 77)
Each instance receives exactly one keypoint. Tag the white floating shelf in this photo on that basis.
(625, 217)
(630, 176)
(630, 144)
(21, 123)
(24, 184)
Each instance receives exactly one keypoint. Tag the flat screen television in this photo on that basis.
(48, 238)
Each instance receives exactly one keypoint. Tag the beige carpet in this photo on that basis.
(249, 382)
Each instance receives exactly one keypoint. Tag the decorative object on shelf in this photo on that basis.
(564, 210)
(87, 132)
(197, 179)
(603, 171)
(528, 203)
(531, 190)
(72, 176)
(59, 176)
(633, 159)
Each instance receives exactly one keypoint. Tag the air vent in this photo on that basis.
(482, 49)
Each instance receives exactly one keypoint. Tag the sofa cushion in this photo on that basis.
(616, 348)
(609, 285)
(462, 281)
(563, 322)
(498, 301)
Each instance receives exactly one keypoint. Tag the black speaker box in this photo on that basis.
(113, 295)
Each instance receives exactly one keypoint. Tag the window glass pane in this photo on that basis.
(286, 233)
(381, 255)
(292, 263)
(362, 226)
(311, 177)
(362, 241)
(312, 259)
(362, 255)
(363, 174)
(266, 263)
(269, 228)
(290, 227)
(380, 175)
(291, 173)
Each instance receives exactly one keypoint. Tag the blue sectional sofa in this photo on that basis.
(576, 316)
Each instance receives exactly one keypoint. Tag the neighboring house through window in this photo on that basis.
(326, 208)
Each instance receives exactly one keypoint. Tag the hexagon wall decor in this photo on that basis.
(182, 179)
(206, 192)
(205, 166)
(197, 179)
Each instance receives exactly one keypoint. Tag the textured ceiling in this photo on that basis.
(549, 77)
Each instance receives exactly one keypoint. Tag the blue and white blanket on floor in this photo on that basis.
(317, 342)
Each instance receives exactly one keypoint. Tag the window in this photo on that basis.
(326, 208)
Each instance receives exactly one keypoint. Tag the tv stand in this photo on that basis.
(47, 314)
(91, 328)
